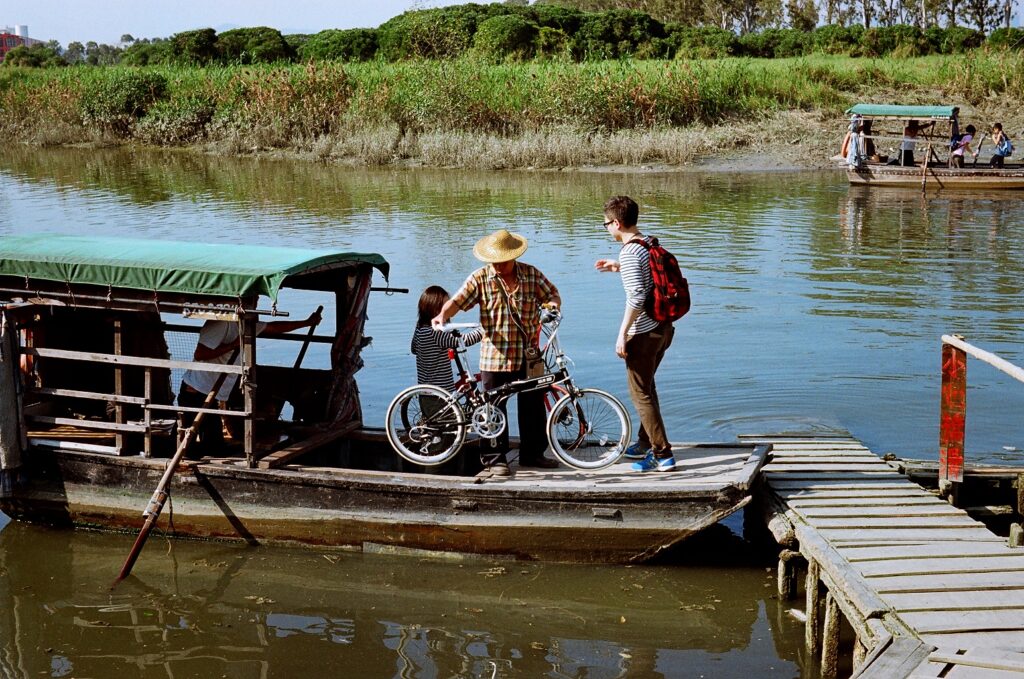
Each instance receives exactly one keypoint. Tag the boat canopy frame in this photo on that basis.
(946, 113)
(126, 279)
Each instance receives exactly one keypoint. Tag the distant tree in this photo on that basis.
(260, 45)
(55, 46)
(984, 15)
(36, 56)
(146, 52)
(801, 15)
(353, 44)
(102, 55)
(197, 47)
(127, 39)
(75, 53)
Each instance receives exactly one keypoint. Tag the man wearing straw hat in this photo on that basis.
(510, 295)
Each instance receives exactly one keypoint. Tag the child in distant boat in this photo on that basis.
(431, 346)
(961, 146)
(1003, 146)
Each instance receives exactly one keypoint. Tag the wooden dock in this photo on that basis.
(928, 590)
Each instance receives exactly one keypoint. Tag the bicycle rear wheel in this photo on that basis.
(590, 430)
(425, 425)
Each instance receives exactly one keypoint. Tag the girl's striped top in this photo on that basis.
(635, 268)
(431, 348)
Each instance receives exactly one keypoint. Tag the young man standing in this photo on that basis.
(642, 341)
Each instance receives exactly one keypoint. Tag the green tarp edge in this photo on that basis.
(222, 270)
(899, 111)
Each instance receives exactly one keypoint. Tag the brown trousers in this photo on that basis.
(643, 356)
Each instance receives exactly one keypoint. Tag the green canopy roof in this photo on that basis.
(166, 266)
(895, 111)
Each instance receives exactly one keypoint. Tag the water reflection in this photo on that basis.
(207, 610)
(814, 302)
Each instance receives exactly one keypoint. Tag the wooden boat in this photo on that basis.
(932, 171)
(95, 373)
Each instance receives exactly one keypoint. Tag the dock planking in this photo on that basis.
(943, 578)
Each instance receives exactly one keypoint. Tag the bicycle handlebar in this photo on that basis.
(448, 327)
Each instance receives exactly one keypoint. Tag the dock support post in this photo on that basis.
(859, 653)
(788, 561)
(811, 626)
(248, 345)
(830, 638)
(119, 386)
(952, 417)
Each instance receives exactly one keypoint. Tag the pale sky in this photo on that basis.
(105, 21)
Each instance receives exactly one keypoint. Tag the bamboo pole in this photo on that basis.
(156, 503)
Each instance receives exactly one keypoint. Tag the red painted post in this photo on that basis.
(952, 416)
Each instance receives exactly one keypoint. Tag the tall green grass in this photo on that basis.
(323, 107)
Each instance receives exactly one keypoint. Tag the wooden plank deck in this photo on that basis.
(943, 579)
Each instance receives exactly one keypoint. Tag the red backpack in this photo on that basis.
(670, 298)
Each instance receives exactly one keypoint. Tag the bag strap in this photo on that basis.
(516, 318)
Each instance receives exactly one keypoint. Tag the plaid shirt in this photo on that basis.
(503, 348)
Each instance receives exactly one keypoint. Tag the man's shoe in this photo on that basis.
(500, 469)
(637, 451)
(540, 463)
(651, 464)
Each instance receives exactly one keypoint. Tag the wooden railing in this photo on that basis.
(953, 408)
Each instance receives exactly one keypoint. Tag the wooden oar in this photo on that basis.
(305, 345)
(977, 153)
(156, 503)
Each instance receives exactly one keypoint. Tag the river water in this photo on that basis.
(817, 308)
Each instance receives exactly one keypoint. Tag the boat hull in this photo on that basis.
(558, 516)
(936, 178)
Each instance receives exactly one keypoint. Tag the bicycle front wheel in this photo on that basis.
(425, 425)
(589, 430)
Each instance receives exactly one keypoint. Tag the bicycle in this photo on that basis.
(586, 428)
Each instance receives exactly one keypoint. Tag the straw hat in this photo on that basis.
(500, 246)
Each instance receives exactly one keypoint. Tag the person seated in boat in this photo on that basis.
(1002, 145)
(218, 341)
(909, 142)
(961, 146)
(430, 345)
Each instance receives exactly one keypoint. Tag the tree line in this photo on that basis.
(583, 30)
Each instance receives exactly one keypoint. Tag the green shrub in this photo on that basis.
(774, 42)
(506, 36)
(704, 42)
(565, 19)
(615, 33)
(442, 33)
(175, 121)
(36, 56)
(553, 42)
(952, 40)
(836, 39)
(116, 98)
(260, 45)
(1006, 38)
(354, 44)
(148, 53)
(882, 40)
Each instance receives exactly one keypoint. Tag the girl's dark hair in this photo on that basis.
(431, 301)
(971, 129)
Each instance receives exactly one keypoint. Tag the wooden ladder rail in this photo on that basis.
(953, 407)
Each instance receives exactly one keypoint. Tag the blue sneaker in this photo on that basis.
(636, 451)
(651, 464)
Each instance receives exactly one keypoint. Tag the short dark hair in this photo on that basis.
(431, 301)
(624, 209)
(970, 129)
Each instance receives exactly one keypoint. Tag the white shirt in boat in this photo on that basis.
(212, 335)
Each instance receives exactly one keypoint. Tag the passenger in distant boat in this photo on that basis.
(218, 341)
(642, 341)
(910, 132)
(510, 295)
(962, 145)
(1002, 144)
(431, 345)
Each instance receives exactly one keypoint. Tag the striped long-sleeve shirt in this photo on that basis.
(431, 348)
(635, 268)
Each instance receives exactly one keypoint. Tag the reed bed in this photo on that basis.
(472, 113)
